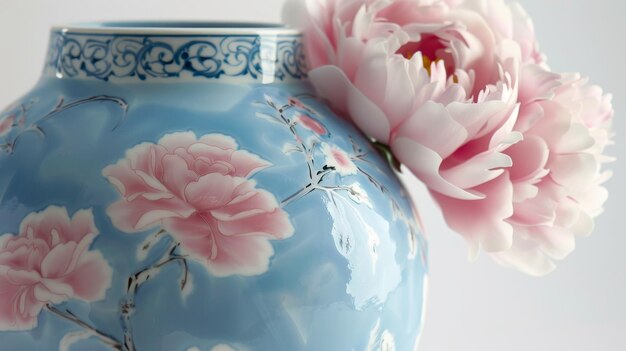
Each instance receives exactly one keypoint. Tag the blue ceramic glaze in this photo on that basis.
(180, 189)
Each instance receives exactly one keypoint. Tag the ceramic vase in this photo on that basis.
(178, 187)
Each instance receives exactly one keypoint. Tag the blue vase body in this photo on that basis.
(187, 192)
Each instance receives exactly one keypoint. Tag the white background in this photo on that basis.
(472, 306)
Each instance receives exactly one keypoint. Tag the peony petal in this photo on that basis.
(273, 225)
(125, 179)
(524, 191)
(246, 163)
(224, 255)
(260, 201)
(22, 277)
(479, 119)
(82, 225)
(555, 242)
(371, 77)
(140, 213)
(583, 226)
(57, 262)
(351, 52)
(537, 211)
(555, 123)
(195, 234)
(144, 159)
(23, 253)
(537, 83)
(434, 128)
(212, 191)
(478, 169)
(247, 256)
(4, 240)
(482, 221)
(578, 138)
(43, 225)
(176, 175)
(59, 293)
(209, 153)
(424, 163)
(573, 170)
(173, 141)
(528, 116)
(529, 158)
(399, 95)
(346, 98)
(13, 300)
(152, 181)
(504, 136)
(222, 141)
(90, 278)
(526, 257)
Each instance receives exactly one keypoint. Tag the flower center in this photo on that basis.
(432, 49)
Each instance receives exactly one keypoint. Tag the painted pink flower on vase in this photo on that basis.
(200, 191)
(310, 124)
(339, 160)
(293, 101)
(49, 262)
(6, 125)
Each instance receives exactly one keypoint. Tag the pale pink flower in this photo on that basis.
(554, 189)
(310, 124)
(200, 191)
(6, 125)
(437, 83)
(462, 95)
(49, 262)
(339, 160)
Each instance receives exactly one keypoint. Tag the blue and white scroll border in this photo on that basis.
(237, 58)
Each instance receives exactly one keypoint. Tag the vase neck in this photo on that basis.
(131, 52)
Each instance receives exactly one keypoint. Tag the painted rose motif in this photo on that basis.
(6, 125)
(310, 124)
(49, 262)
(199, 190)
(339, 159)
(293, 101)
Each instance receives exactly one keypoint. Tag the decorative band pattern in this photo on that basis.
(253, 58)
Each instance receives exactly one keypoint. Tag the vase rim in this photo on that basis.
(172, 27)
(176, 51)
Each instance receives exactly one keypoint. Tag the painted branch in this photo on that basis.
(62, 106)
(67, 315)
(135, 281)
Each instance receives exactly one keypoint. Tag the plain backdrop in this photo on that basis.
(471, 306)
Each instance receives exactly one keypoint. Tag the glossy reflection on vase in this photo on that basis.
(178, 187)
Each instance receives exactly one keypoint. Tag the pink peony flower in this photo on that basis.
(49, 262)
(200, 192)
(553, 190)
(6, 125)
(339, 159)
(437, 83)
(462, 95)
(556, 174)
(310, 124)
